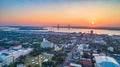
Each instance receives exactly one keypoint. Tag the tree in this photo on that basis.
(99, 51)
(49, 63)
(12, 65)
(29, 66)
(79, 62)
(61, 59)
(36, 51)
(36, 66)
(86, 55)
(21, 60)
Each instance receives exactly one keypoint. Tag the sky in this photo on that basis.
(63, 12)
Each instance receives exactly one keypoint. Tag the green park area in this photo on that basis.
(35, 61)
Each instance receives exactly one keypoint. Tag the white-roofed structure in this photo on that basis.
(105, 61)
(11, 55)
(75, 65)
(99, 41)
(46, 44)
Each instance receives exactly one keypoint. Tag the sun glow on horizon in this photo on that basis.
(92, 22)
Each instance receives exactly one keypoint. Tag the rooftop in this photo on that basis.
(106, 61)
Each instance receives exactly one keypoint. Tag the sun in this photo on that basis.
(92, 22)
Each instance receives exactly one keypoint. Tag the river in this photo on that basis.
(70, 30)
(77, 30)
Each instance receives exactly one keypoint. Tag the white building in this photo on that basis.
(84, 47)
(46, 44)
(58, 47)
(73, 65)
(1, 64)
(6, 59)
(105, 61)
(26, 51)
(80, 47)
(110, 49)
(99, 41)
(10, 55)
(21, 65)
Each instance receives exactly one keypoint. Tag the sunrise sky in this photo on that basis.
(62, 12)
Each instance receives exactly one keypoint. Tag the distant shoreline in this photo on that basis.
(80, 27)
(76, 27)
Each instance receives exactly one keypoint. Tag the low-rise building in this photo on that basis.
(58, 47)
(86, 62)
(17, 47)
(110, 49)
(1, 64)
(68, 64)
(21, 65)
(99, 41)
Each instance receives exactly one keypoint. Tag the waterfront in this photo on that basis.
(68, 30)
(77, 30)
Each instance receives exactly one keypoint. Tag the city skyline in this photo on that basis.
(92, 13)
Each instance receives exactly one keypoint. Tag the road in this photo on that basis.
(69, 55)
